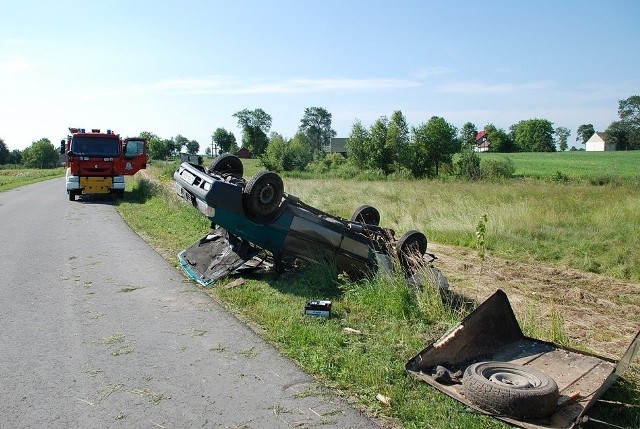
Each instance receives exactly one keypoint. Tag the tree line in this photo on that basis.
(389, 145)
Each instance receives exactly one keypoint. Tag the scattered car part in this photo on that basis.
(258, 214)
(318, 308)
(492, 333)
(511, 390)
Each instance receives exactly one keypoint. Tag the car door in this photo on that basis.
(135, 154)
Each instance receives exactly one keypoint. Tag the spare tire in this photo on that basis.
(510, 390)
(227, 163)
(263, 195)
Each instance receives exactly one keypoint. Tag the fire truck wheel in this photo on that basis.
(72, 195)
(510, 390)
(263, 195)
(366, 214)
(227, 163)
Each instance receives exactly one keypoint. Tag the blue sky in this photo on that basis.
(185, 67)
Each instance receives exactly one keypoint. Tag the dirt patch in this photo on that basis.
(601, 314)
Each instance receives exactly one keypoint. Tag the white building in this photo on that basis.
(597, 143)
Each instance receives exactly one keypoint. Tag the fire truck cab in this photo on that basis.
(97, 162)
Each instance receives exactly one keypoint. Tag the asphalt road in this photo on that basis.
(98, 331)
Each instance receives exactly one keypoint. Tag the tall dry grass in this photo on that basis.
(592, 228)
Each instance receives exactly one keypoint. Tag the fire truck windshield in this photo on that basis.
(95, 146)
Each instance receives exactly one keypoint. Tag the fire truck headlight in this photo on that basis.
(118, 179)
(73, 179)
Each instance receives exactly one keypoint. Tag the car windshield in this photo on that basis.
(95, 146)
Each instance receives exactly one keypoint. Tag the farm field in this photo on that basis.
(13, 178)
(574, 164)
(539, 239)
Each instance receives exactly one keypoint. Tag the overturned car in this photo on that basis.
(248, 217)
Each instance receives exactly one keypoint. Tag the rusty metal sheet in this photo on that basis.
(492, 333)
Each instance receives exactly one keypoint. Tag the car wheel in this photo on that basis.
(72, 195)
(410, 249)
(366, 214)
(510, 390)
(227, 163)
(263, 195)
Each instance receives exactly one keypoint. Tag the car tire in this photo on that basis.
(72, 195)
(227, 163)
(368, 215)
(410, 248)
(263, 195)
(510, 390)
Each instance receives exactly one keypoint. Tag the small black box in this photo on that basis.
(318, 308)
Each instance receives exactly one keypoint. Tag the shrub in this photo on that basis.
(468, 164)
(498, 168)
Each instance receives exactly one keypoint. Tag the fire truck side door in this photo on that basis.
(135, 155)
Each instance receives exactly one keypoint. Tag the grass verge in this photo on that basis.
(389, 322)
(10, 178)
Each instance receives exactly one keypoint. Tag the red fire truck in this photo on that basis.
(97, 162)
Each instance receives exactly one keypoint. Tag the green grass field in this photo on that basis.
(14, 178)
(574, 164)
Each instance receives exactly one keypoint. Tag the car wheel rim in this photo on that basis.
(266, 195)
(514, 379)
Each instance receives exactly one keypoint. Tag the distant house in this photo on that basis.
(338, 145)
(244, 153)
(482, 143)
(597, 143)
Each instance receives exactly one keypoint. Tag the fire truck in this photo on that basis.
(98, 161)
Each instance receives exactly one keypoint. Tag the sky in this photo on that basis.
(185, 67)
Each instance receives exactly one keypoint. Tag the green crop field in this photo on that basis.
(574, 164)
(13, 178)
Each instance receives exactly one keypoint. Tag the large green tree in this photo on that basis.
(255, 125)
(379, 154)
(357, 150)
(316, 126)
(15, 157)
(224, 140)
(192, 147)
(158, 148)
(4, 153)
(41, 154)
(629, 110)
(179, 142)
(499, 139)
(434, 145)
(299, 153)
(273, 157)
(398, 138)
(288, 155)
(625, 133)
(618, 133)
(468, 134)
(584, 133)
(534, 135)
(562, 135)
